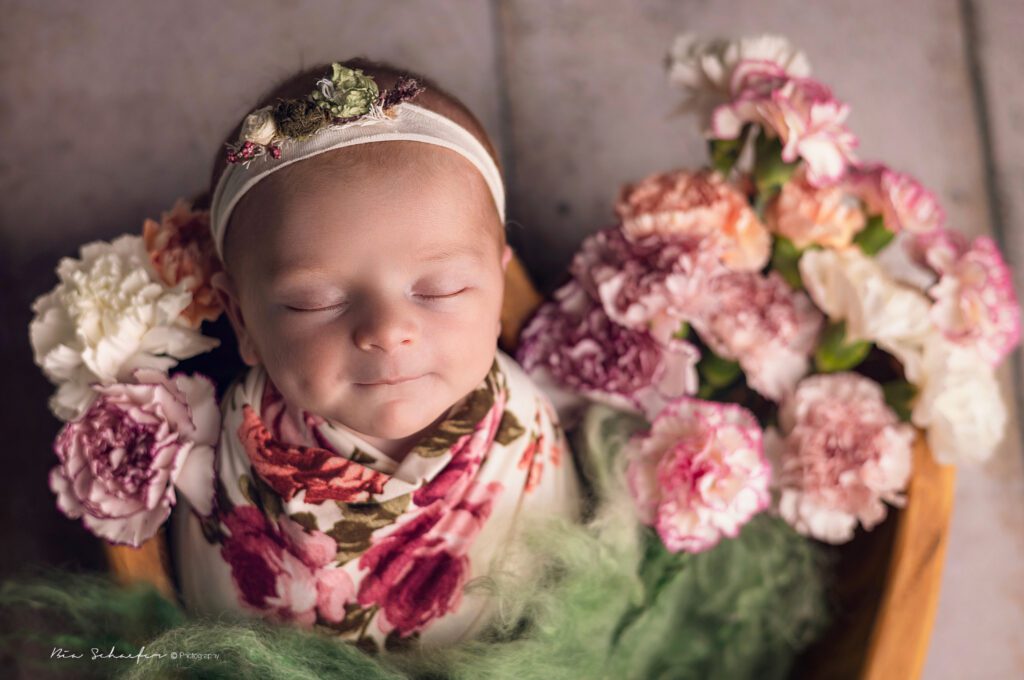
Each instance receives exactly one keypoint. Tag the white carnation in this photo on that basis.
(959, 403)
(109, 315)
(704, 68)
(848, 285)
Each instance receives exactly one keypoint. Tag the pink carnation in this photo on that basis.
(699, 473)
(801, 112)
(649, 284)
(584, 351)
(764, 324)
(699, 204)
(903, 203)
(121, 460)
(842, 452)
(975, 302)
(181, 249)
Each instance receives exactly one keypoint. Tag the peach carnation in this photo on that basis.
(808, 215)
(699, 204)
(181, 249)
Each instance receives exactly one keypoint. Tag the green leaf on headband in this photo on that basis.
(835, 353)
(874, 236)
(349, 93)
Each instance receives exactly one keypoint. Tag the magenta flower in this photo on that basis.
(801, 112)
(121, 460)
(762, 323)
(842, 454)
(417, 570)
(903, 203)
(975, 302)
(283, 571)
(572, 339)
(699, 473)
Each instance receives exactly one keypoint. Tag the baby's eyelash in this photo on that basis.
(435, 297)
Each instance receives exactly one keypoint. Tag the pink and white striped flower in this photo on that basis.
(975, 302)
(902, 201)
(841, 455)
(699, 473)
(801, 112)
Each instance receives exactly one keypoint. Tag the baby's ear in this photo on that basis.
(506, 257)
(228, 294)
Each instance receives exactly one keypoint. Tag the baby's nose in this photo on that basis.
(384, 327)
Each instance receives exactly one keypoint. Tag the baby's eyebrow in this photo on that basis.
(448, 252)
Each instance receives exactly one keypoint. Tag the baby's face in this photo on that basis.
(350, 277)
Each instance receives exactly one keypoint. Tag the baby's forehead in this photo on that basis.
(422, 197)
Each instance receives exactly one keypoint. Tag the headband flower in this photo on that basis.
(346, 96)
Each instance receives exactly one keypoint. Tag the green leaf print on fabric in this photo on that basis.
(465, 418)
(352, 533)
(306, 520)
(509, 430)
(259, 493)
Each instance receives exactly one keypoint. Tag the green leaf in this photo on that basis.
(683, 331)
(874, 236)
(770, 171)
(725, 153)
(898, 395)
(786, 261)
(835, 354)
(716, 371)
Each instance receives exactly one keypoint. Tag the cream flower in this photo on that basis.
(704, 69)
(109, 315)
(259, 126)
(851, 286)
(959, 403)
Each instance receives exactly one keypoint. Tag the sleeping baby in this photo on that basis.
(380, 451)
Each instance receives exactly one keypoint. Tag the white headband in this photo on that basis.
(411, 122)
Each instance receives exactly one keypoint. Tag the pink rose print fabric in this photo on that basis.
(314, 526)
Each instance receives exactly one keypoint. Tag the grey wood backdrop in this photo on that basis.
(111, 109)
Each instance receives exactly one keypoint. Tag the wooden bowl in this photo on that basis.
(887, 586)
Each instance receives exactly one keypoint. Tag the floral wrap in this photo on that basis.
(315, 526)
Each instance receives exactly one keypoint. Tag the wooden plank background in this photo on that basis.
(114, 108)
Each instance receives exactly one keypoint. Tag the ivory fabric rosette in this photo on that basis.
(121, 461)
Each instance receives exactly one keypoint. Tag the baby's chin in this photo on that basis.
(390, 420)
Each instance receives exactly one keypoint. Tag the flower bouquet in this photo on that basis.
(785, 326)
